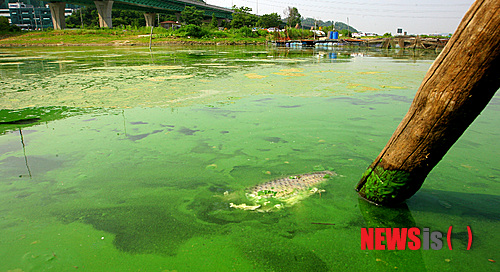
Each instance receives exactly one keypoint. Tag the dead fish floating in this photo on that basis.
(282, 192)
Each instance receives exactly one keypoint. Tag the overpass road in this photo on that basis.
(149, 7)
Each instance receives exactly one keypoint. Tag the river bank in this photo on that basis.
(130, 43)
(116, 37)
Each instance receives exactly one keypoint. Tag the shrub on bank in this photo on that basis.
(245, 32)
(192, 31)
(219, 34)
(298, 34)
(206, 32)
(6, 27)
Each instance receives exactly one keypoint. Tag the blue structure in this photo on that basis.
(333, 35)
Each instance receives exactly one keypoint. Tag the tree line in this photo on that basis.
(88, 17)
(243, 24)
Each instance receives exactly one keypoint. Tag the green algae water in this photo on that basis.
(122, 159)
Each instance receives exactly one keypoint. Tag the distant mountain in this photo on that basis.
(309, 22)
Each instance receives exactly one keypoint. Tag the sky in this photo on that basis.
(378, 16)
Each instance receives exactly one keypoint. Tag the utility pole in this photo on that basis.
(34, 18)
(41, 21)
(314, 29)
(348, 28)
(81, 18)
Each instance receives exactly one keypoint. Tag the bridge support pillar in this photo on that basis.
(150, 18)
(104, 11)
(57, 12)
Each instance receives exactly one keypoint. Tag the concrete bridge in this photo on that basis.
(150, 8)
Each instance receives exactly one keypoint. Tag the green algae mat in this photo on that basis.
(122, 159)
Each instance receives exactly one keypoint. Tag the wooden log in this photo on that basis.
(401, 43)
(457, 87)
(386, 44)
(418, 42)
(392, 43)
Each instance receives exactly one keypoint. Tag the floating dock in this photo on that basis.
(385, 43)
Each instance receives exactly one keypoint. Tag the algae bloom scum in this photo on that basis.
(120, 159)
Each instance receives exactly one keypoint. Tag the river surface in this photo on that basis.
(122, 159)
